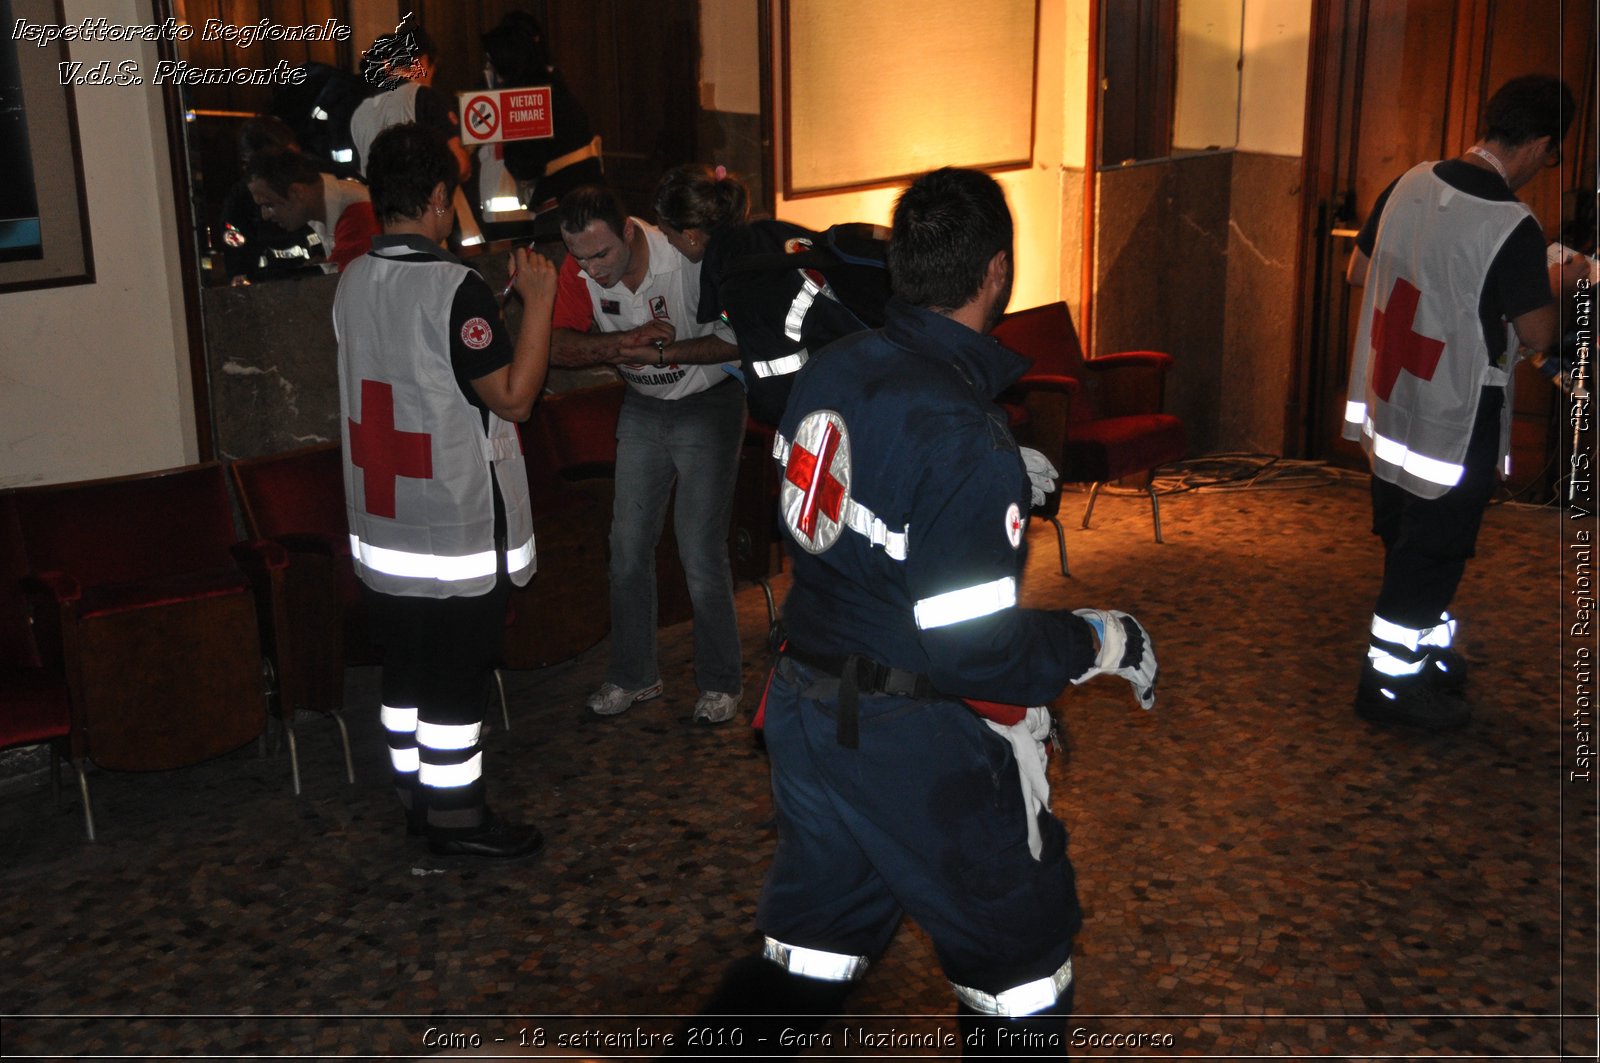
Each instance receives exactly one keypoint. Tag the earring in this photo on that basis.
(439, 211)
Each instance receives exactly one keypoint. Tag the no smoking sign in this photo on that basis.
(506, 114)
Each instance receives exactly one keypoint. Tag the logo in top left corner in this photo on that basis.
(476, 333)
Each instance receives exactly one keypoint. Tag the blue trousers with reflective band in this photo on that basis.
(438, 657)
(1428, 541)
(925, 818)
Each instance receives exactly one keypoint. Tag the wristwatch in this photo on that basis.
(661, 354)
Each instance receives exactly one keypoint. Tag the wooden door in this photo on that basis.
(1395, 82)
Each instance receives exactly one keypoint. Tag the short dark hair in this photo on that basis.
(947, 227)
(281, 167)
(406, 163)
(1529, 107)
(693, 196)
(393, 52)
(588, 203)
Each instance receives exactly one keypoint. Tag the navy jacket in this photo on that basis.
(929, 453)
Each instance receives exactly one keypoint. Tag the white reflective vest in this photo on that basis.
(417, 457)
(1419, 364)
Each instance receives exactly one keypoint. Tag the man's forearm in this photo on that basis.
(571, 349)
(703, 350)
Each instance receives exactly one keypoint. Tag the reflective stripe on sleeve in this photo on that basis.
(447, 776)
(405, 759)
(448, 736)
(968, 603)
(1025, 999)
(789, 363)
(814, 963)
(1355, 413)
(415, 565)
(796, 317)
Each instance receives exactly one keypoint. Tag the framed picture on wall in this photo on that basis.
(44, 219)
(875, 93)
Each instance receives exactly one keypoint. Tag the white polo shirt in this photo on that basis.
(670, 292)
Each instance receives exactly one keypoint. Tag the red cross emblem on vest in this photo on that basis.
(1396, 345)
(383, 454)
(816, 481)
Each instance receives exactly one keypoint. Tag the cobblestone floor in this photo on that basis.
(1263, 873)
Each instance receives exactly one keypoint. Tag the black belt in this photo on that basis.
(858, 675)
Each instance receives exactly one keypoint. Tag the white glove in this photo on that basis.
(1027, 737)
(1041, 474)
(1125, 650)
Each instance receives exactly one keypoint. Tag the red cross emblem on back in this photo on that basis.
(383, 454)
(1396, 345)
(809, 472)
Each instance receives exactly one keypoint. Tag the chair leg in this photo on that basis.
(294, 756)
(1155, 509)
(83, 790)
(55, 775)
(1094, 493)
(505, 713)
(772, 608)
(1061, 543)
(344, 737)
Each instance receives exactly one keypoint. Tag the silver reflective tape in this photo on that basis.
(814, 963)
(1394, 452)
(1389, 631)
(1026, 999)
(448, 736)
(405, 759)
(1390, 665)
(798, 309)
(417, 565)
(398, 720)
(789, 363)
(968, 603)
(447, 776)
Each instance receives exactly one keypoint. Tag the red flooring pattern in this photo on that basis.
(1264, 875)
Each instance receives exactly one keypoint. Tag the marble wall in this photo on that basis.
(1196, 256)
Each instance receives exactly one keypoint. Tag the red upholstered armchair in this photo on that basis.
(1096, 420)
(35, 706)
(139, 601)
(296, 499)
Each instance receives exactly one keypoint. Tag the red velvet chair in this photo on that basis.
(140, 601)
(35, 706)
(296, 499)
(1098, 419)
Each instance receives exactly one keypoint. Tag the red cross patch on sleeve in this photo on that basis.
(476, 333)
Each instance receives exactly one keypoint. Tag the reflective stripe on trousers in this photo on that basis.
(1025, 999)
(814, 963)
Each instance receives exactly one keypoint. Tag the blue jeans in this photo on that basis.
(693, 441)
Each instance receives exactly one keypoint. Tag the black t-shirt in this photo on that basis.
(1518, 282)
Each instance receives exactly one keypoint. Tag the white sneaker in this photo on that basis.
(611, 700)
(714, 707)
